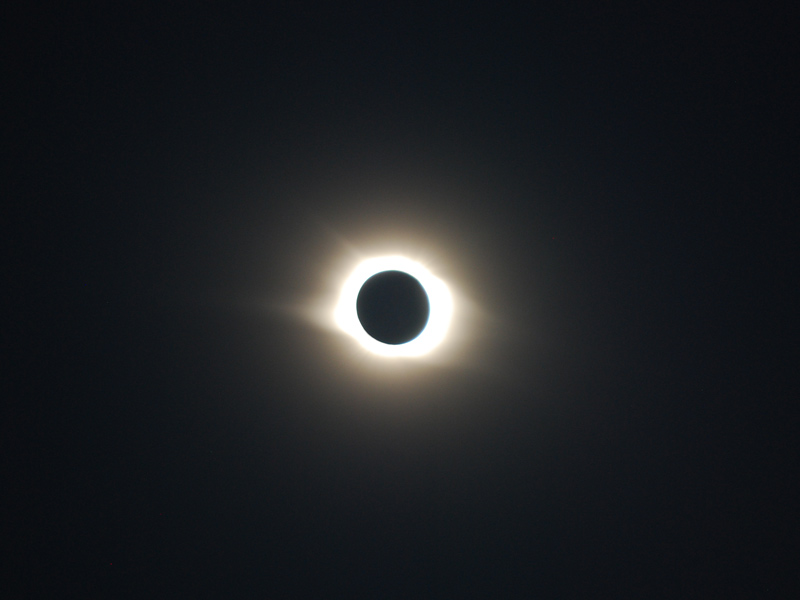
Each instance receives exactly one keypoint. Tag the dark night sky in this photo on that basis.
(608, 190)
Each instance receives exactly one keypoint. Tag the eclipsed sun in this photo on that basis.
(394, 306)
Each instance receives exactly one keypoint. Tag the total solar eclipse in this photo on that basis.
(393, 307)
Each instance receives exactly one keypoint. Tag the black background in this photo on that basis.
(611, 187)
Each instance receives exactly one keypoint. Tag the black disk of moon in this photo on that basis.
(393, 307)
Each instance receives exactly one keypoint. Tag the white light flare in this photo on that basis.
(439, 297)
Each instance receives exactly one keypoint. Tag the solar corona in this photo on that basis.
(394, 307)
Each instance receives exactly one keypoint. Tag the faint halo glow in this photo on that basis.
(441, 307)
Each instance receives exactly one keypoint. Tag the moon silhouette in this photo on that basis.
(393, 307)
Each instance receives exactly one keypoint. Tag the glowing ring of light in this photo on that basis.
(439, 297)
